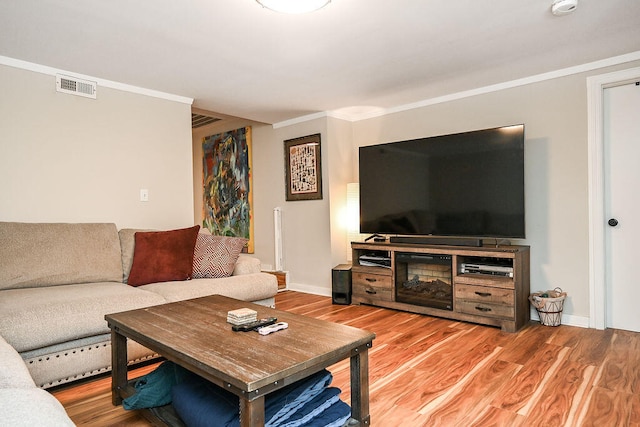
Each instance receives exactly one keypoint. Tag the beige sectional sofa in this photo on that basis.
(57, 281)
(22, 403)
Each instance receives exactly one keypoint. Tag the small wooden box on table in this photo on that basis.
(481, 298)
(196, 335)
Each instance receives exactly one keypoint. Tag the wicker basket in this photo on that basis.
(549, 305)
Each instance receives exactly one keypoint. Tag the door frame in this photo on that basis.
(597, 255)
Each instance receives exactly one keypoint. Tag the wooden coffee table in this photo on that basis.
(195, 334)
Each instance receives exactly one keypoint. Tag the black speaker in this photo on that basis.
(341, 284)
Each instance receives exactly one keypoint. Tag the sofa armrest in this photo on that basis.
(27, 407)
(13, 372)
(246, 264)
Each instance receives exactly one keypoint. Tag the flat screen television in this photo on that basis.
(467, 184)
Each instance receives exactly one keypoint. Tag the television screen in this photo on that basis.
(468, 184)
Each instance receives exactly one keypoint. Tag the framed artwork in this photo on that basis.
(303, 172)
(228, 197)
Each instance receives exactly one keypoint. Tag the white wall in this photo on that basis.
(556, 169)
(556, 181)
(65, 158)
(341, 172)
(554, 114)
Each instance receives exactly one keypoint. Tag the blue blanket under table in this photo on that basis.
(310, 402)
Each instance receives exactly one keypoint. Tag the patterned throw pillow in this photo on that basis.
(216, 256)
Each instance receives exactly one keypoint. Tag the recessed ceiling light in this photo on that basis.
(294, 6)
(562, 7)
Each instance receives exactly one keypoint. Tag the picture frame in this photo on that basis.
(303, 168)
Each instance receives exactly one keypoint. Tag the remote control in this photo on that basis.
(266, 330)
(255, 325)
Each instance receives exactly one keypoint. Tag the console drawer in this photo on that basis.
(484, 309)
(375, 280)
(485, 294)
(371, 287)
(372, 293)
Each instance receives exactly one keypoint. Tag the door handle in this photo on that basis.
(612, 222)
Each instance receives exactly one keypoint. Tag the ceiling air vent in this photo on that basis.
(199, 120)
(76, 86)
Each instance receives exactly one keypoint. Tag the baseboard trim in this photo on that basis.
(309, 289)
(567, 319)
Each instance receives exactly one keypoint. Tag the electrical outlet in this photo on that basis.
(144, 195)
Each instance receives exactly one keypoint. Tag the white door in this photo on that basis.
(622, 205)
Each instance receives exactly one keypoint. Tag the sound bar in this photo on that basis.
(427, 240)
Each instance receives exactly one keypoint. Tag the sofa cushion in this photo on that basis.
(127, 244)
(13, 371)
(248, 287)
(31, 407)
(246, 264)
(162, 256)
(39, 317)
(38, 255)
(216, 256)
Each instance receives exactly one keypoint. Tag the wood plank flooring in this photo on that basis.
(426, 371)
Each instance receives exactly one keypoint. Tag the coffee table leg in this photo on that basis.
(252, 412)
(118, 366)
(360, 387)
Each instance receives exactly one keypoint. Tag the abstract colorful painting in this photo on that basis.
(227, 206)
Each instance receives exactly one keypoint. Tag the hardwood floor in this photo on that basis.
(426, 371)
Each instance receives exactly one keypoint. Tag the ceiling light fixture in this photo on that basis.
(562, 7)
(294, 6)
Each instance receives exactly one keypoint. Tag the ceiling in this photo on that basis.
(236, 58)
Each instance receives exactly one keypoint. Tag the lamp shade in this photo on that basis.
(353, 215)
(294, 6)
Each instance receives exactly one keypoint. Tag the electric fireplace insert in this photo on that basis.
(424, 279)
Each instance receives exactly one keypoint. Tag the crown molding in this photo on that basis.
(301, 119)
(369, 113)
(43, 69)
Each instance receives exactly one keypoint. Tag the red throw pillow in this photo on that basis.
(216, 256)
(163, 256)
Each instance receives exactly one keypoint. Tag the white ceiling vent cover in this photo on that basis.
(76, 86)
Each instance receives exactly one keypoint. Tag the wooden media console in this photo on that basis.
(487, 285)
